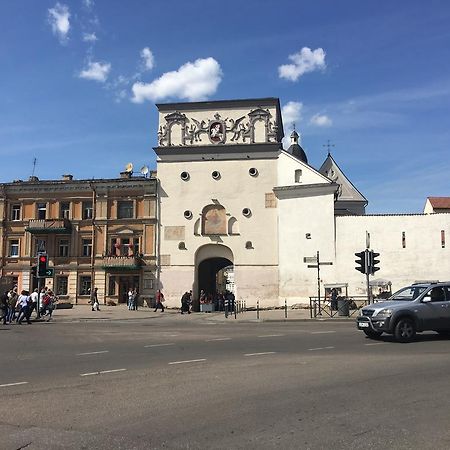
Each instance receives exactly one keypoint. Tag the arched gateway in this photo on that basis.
(213, 266)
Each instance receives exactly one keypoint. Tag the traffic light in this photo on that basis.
(42, 265)
(361, 261)
(373, 262)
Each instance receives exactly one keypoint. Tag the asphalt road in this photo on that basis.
(146, 384)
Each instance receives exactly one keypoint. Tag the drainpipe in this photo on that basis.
(94, 208)
(158, 235)
(4, 229)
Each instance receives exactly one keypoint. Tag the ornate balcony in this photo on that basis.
(121, 262)
(44, 226)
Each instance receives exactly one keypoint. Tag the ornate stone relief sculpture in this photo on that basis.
(218, 130)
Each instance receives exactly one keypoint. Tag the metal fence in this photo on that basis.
(343, 306)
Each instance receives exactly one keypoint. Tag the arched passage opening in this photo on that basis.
(213, 266)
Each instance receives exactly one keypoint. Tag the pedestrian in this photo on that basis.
(334, 299)
(94, 300)
(185, 302)
(4, 307)
(135, 299)
(51, 305)
(34, 302)
(12, 301)
(130, 299)
(22, 301)
(159, 300)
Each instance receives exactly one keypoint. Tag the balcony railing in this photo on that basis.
(121, 262)
(48, 226)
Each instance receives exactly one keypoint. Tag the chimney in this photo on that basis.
(125, 174)
(67, 177)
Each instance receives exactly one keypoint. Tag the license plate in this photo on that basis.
(363, 324)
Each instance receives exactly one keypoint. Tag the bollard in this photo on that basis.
(285, 308)
(257, 309)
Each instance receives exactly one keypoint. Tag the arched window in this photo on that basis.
(214, 220)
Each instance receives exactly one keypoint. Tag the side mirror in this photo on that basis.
(426, 299)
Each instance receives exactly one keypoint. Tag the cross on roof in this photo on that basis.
(328, 145)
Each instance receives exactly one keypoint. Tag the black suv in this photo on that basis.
(419, 307)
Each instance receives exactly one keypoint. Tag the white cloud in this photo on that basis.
(306, 60)
(58, 17)
(89, 37)
(192, 81)
(96, 71)
(88, 3)
(148, 58)
(321, 120)
(291, 113)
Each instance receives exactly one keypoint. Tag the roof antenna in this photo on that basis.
(34, 166)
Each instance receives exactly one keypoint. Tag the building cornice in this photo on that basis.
(305, 190)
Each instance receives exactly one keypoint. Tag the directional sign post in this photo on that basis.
(318, 263)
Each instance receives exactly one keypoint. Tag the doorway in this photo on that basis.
(125, 284)
(214, 264)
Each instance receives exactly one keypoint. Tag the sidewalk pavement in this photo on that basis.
(110, 313)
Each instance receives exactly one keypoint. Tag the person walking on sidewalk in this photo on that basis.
(12, 301)
(130, 299)
(22, 302)
(4, 307)
(159, 300)
(94, 300)
(34, 301)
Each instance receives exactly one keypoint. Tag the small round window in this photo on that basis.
(216, 175)
(253, 171)
(247, 212)
(188, 214)
(184, 176)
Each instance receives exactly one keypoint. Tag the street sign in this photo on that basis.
(310, 259)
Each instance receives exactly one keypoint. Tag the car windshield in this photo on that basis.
(409, 293)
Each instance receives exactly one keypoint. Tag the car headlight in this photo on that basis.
(384, 313)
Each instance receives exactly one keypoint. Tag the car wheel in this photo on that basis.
(373, 334)
(405, 330)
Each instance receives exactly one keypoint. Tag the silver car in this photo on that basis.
(415, 308)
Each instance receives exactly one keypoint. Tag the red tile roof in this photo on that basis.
(440, 202)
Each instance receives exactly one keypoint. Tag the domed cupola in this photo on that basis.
(295, 149)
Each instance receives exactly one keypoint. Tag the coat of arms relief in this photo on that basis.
(218, 130)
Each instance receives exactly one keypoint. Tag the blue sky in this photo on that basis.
(79, 80)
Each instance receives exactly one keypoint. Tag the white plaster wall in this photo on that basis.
(288, 164)
(235, 191)
(297, 217)
(423, 258)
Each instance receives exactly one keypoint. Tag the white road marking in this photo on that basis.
(320, 348)
(322, 332)
(218, 339)
(259, 354)
(101, 372)
(376, 343)
(271, 335)
(14, 384)
(188, 361)
(93, 353)
(159, 345)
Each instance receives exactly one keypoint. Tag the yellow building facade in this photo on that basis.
(97, 233)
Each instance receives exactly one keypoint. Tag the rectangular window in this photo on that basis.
(41, 211)
(87, 210)
(63, 247)
(15, 212)
(136, 250)
(86, 247)
(14, 248)
(298, 176)
(125, 210)
(124, 246)
(442, 238)
(64, 210)
(403, 239)
(85, 285)
(39, 245)
(61, 285)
